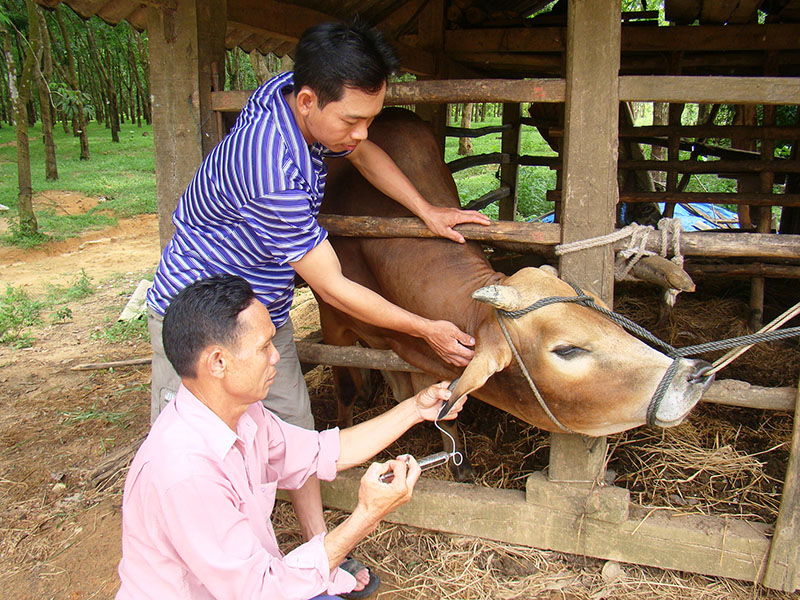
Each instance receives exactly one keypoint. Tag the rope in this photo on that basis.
(725, 360)
(670, 237)
(528, 377)
(768, 333)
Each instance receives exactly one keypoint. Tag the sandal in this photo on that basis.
(353, 566)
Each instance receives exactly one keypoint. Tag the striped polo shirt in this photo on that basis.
(251, 207)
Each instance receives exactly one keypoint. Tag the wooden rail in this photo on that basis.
(663, 88)
(533, 235)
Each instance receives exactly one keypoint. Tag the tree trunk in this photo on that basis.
(72, 80)
(260, 67)
(19, 99)
(144, 60)
(133, 67)
(112, 109)
(465, 143)
(43, 72)
(232, 61)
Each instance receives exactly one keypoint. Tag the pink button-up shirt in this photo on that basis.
(197, 505)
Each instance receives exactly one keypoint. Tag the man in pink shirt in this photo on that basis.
(200, 491)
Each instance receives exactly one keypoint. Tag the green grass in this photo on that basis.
(534, 182)
(79, 288)
(121, 175)
(123, 331)
(119, 418)
(18, 312)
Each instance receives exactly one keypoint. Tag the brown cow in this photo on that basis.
(595, 378)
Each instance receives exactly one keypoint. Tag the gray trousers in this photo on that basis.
(287, 397)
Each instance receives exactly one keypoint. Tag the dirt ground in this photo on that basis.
(60, 533)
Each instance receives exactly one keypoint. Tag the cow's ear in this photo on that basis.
(492, 355)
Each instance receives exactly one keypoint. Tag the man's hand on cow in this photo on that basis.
(449, 342)
(430, 401)
(441, 220)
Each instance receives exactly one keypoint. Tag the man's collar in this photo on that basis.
(216, 434)
(287, 125)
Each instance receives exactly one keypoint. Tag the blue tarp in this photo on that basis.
(701, 217)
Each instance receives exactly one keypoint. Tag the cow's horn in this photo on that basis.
(500, 296)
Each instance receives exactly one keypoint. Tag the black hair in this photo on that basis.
(203, 313)
(331, 56)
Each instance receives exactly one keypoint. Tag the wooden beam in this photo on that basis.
(710, 90)
(494, 158)
(716, 131)
(383, 227)
(693, 243)
(726, 391)
(746, 270)
(713, 166)
(753, 198)
(699, 544)
(635, 38)
(476, 90)
(440, 92)
(489, 198)
(473, 132)
(352, 356)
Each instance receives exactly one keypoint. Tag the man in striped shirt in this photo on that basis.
(251, 210)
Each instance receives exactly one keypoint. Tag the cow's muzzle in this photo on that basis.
(680, 389)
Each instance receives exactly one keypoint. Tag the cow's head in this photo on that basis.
(594, 376)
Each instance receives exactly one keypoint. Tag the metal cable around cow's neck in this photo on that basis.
(527, 375)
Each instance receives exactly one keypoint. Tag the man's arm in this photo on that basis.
(381, 171)
(360, 443)
(320, 268)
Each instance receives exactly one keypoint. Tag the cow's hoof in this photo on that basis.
(464, 472)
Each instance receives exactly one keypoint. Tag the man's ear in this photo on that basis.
(214, 361)
(305, 99)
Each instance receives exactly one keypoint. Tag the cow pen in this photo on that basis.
(594, 60)
(565, 510)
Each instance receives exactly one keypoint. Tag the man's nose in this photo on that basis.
(360, 132)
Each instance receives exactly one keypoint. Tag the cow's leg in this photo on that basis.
(400, 383)
(450, 437)
(350, 385)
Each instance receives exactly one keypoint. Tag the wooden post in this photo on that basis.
(783, 572)
(509, 173)
(590, 184)
(675, 111)
(184, 44)
(764, 224)
(431, 37)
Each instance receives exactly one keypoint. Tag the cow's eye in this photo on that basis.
(568, 351)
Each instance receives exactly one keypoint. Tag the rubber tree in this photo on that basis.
(20, 92)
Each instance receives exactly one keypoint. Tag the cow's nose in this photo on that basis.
(699, 373)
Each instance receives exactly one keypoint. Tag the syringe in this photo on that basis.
(425, 463)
